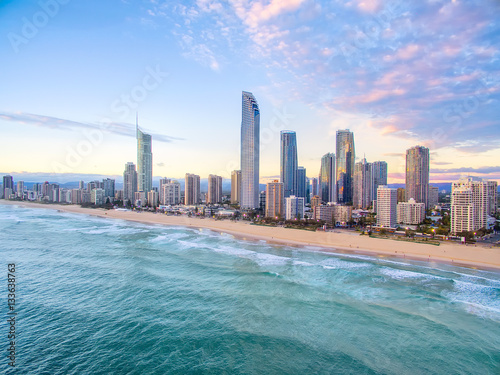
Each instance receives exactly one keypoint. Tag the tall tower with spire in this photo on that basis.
(144, 160)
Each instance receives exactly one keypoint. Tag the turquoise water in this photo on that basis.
(101, 296)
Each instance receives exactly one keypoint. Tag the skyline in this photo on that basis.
(397, 75)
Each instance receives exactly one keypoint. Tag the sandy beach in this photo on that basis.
(344, 242)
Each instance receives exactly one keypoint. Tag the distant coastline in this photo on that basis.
(353, 243)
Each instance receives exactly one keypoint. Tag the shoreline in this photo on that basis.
(328, 242)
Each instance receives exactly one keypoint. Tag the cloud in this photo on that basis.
(412, 66)
(55, 123)
(479, 170)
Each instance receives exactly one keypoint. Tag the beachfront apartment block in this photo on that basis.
(410, 212)
(471, 201)
(275, 199)
(235, 186)
(214, 194)
(129, 183)
(192, 189)
(333, 214)
(294, 207)
(170, 192)
(387, 201)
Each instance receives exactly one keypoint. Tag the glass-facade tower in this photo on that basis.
(250, 139)
(144, 161)
(327, 178)
(345, 166)
(288, 163)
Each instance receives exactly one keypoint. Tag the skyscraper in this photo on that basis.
(345, 165)
(363, 184)
(235, 187)
(275, 202)
(8, 183)
(144, 161)
(192, 189)
(379, 176)
(214, 189)
(129, 183)
(288, 162)
(302, 184)
(314, 187)
(250, 149)
(327, 188)
(417, 174)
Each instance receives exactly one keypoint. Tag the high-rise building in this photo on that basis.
(401, 195)
(153, 198)
(469, 204)
(275, 203)
(314, 187)
(171, 194)
(345, 165)
(108, 185)
(8, 183)
(363, 184)
(192, 189)
(250, 151)
(327, 185)
(144, 161)
(492, 197)
(315, 201)
(433, 196)
(81, 185)
(214, 189)
(294, 207)
(379, 176)
(97, 196)
(302, 183)
(129, 183)
(410, 212)
(386, 207)
(235, 187)
(262, 201)
(288, 162)
(20, 189)
(417, 174)
(76, 196)
(163, 181)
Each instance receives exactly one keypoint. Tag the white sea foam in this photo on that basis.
(477, 299)
(400, 274)
(336, 263)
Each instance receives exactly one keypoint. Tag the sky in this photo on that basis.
(396, 73)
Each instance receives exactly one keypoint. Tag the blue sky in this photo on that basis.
(396, 73)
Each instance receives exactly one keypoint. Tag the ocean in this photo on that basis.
(102, 296)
